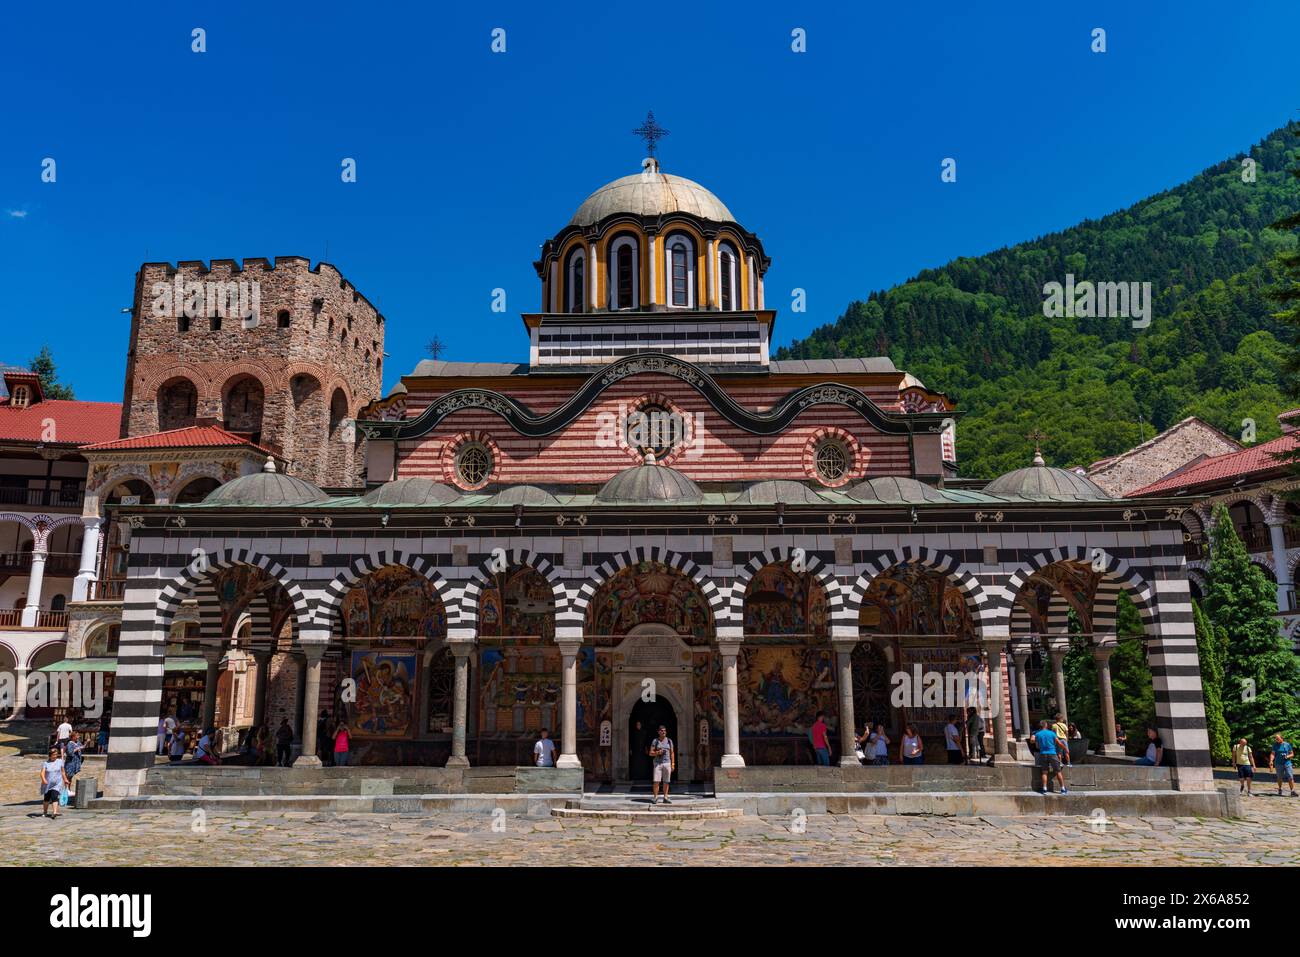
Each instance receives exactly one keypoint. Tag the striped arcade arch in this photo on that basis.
(576, 613)
(814, 567)
(326, 613)
(516, 558)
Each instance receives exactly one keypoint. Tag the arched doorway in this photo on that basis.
(643, 723)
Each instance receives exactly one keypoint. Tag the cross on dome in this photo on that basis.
(650, 131)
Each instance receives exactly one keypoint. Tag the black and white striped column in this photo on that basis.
(137, 689)
(1176, 677)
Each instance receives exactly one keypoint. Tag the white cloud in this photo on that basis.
(16, 213)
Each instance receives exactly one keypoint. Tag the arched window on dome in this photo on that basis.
(679, 252)
(575, 284)
(624, 278)
(728, 278)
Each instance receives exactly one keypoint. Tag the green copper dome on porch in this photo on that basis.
(896, 490)
(411, 491)
(649, 484)
(1040, 482)
(267, 487)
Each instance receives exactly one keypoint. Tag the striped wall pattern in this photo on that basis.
(1153, 570)
(835, 603)
(576, 613)
(326, 611)
(977, 601)
(197, 572)
(516, 558)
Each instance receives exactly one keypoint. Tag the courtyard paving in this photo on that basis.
(1269, 834)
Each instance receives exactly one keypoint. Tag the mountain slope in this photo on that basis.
(975, 328)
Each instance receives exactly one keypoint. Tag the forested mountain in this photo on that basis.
(975, 328)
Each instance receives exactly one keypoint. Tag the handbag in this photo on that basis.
(63, 796)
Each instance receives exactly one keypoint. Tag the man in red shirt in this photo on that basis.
(821, 740)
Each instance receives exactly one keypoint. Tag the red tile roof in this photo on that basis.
(194, 436)
(1224, 469)
(75, 422)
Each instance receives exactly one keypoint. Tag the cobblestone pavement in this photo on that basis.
(1269, 834)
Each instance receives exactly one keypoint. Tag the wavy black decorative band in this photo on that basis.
(523, 421)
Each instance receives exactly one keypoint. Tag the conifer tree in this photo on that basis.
(43, 366)
(1261, 674)
(1211, 645)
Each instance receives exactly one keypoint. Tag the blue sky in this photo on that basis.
(467, 160)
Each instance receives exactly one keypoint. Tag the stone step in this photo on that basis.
(642, 812)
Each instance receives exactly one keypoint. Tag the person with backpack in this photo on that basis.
(663, 754)
(1243, 759)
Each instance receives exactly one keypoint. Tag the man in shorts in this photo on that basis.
(663, 755)
(1243, 759)
(1280, 761)
(1049, 762)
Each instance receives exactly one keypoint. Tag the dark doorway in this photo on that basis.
(642, 725)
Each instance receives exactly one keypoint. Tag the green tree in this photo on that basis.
(1130, 677)
(1211, 646)
(1261, 673)
(43, 366)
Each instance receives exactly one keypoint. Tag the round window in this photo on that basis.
(653, 428)
(832, 461)
(473, 465)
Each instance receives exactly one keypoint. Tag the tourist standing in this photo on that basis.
(53, 780)
(101, 739)
(544, 750)
(323, 749)
(284, 744)
(1280, 762)
(72, 756)
(1155, 750)
(975, 731)
(1049, 761)
(162, 736)
(176, 750)
(170, 727)
(1120, 737)
(664, 756)
(1062, 732)
(880, 744)
(821, 740)
(342, 744)
(952, 740)
(912, 748)
(1243, 759)
(63, 734)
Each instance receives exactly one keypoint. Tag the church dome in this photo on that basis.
(1040, 482)
(267, 487)
(651, 193)
(895, 490)
(779, 492)
(523, 495)
(411, 491)
(649, 484)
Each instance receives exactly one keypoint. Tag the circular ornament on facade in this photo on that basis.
(656, 424)
(474, 465)
(831, 458)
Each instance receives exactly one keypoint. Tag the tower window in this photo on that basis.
(576, 286)
(680, 271)
(727, 284)
(20, 397)
(624, 278)
(282, 319)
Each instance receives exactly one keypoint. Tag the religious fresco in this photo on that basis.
(912, 599)
(521, 603)
(393, 601)
(1034, 599)
(644, 593)
(386, 686)
(779, 602)
(236, 587)
(781, 689)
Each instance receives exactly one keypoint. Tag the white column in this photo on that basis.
(1057, 649)
(654, 271)
(593, 269)
(34, 582)
(760, 292)
(1101, 656)
(848, 735)
(1277, 537)
(729, 650)
(708, 275)
(313, 649)
(569, 721)
(993, 650)
(89, 551)
(460, 651)
(20, 694)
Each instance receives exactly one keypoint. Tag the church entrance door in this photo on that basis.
(642, 728)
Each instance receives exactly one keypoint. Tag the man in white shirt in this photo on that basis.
(544, 750)
(952, 740)
(63, 733)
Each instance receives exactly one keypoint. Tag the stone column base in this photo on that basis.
(307, 761)
(1111, 751)
(733, 761)
(568, 761)
(1020, 751)
(457, 761)
(850, 762)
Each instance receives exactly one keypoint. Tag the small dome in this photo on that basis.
(649, 484)
(895, 490)
(779, 491)
(411, 491)
(1043, 483)
(523, 495)
(651, 193)
(267, 487)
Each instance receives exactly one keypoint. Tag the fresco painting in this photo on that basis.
(649, 592)
(385, 694)
(393, 601)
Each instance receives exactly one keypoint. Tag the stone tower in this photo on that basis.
(280, 353)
